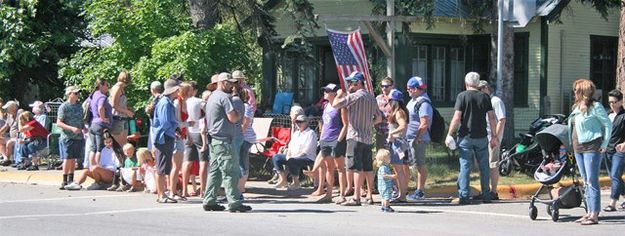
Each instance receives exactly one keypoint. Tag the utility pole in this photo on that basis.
(499, 47)
(390, 37)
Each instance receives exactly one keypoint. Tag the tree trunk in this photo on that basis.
(204, 13)
(620, 62)
(505, 91)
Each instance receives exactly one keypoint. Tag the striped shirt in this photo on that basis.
(361, 111)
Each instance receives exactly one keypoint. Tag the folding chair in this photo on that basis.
(279, 138)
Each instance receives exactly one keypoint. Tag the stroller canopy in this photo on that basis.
(552, 137)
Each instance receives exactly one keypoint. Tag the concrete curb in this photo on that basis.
(521, 191)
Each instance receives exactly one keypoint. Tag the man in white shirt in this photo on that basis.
(301, 152)
(493, 153)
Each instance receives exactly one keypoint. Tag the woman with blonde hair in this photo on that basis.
(34, 138)
(121, 112)
(589, 132)
(180, 105)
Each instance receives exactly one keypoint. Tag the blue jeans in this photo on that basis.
(468, 147)
(616, 173)
(278, 161)
(588, 164)
(244, 160)
(294, 164)
(33, 146)
(236, 151)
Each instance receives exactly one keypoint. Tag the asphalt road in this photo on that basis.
(44, 210)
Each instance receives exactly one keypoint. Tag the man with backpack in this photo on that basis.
(471, 109)
(493, 153)
(420, 114)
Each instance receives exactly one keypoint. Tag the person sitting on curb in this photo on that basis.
(300, 153)
(101, 171)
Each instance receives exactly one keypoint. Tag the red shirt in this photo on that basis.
(38, 131)
(184, 115)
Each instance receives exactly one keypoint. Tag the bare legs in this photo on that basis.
(402, 180)
(175, 170)
(186, 167)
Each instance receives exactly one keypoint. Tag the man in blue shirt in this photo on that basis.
(420, 115)
(164, 126)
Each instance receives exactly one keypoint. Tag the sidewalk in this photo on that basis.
(53, 178)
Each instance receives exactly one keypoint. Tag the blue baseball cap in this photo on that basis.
(355, 76)
(396, 95)
(417, 82)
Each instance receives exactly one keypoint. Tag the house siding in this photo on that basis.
(523, 116)
(284, 23)
(579, 22)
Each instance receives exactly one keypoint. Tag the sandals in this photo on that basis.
(340, 200)
(623, 205)
(609, 208)
(166, 199)
(580, 220)
(180, 198)
(589, 222)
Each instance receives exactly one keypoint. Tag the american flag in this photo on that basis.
(349, 55)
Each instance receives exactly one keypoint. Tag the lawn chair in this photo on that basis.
(270, 146)
(51, 155)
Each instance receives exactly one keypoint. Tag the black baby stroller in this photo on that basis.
(557, 162)
(526, 155)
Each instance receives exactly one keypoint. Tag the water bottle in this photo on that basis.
(133, 126)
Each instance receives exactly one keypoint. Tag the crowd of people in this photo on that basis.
(210, 137)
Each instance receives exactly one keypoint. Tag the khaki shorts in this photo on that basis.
(493, 155)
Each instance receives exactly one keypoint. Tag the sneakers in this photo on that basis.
(387, 209)
(6, 162)
(32, 168)
(460, 201)
(63, 186)
(213, 207)
(122, 188)
(112, 188)
(418, 195)
(95, 186)
(73, 186)
(240, 208)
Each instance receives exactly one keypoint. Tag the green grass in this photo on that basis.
(443, 169)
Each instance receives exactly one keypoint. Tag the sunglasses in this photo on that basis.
(386, 85)
(299, 121)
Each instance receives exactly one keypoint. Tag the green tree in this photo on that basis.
(154, 39)
(34, 36)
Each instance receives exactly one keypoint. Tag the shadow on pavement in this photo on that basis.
(298, 211)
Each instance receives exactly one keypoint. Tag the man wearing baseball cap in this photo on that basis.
(420, 113)
(471, 109)
(363, 114)
(72, 141)
(224, 166)
(238, 75)
(493, 153)
(165, 125)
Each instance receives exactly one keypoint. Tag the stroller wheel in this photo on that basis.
(555, 212)
(533, 212)
(505, 167)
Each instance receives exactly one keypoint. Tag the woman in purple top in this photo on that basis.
(102, 115)
(332, 143)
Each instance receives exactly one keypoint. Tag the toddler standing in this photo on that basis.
(385, 178)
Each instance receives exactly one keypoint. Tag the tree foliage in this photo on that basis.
(34, 36)
(154, 39)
